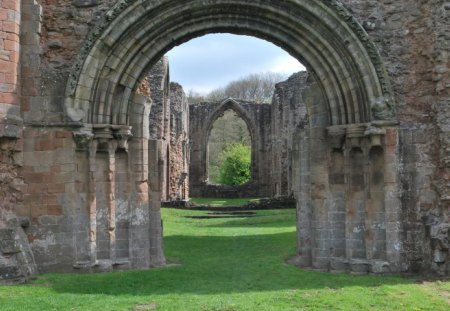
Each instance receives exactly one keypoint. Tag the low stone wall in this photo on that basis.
(249, 190)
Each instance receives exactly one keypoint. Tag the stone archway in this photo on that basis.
(323, 35)
(202, 118)
(354, 115)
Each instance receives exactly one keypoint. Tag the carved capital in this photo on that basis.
(355, 133)
(336, 135)
(103, 133)
(123, 135)
(375, 133)
(82, 138)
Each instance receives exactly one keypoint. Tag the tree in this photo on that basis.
(257, 87)
(227, 129)
(194, 97)
(235, 169)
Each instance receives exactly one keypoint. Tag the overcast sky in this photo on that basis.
(211, 61)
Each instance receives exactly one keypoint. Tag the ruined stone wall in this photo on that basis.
(288, 114)
(16, 259)
(179, 145)
(10, 121)
(160, 120)
(10, 15)
(53, 32)
(85, 196)
(413, 39)
(202, 117)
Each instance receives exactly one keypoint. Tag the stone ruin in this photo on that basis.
(272, 128)
(202, 117)
(369, 163)
(169, 134)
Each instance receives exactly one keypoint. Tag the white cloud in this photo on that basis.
(212, 61)
(286, 64)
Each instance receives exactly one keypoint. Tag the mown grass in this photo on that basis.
(226, 265)
(222, 202)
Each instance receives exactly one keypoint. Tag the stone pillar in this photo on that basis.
(392, 201)
(355, 158)
(10, 23)
(32, 106)
(302, 193)
(156, 230)
(112, 147)
(92, 199)
(16, 260)
(321, 203)
(337, 180)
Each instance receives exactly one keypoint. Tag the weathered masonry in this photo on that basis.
(272, 129)
(202, 118)
(288, 116)
(168, 128)
(370, 167)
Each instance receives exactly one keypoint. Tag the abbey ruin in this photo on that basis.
(83, 168)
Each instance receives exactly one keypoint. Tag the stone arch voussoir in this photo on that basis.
(356, 108)
(322, 34)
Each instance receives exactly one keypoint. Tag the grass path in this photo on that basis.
(226, 265)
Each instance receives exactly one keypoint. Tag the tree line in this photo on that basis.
(258, 87)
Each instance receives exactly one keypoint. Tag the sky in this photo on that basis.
(209, 62)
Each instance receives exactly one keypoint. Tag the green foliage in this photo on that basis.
(228, 129)
(225, 264)
(235, 169)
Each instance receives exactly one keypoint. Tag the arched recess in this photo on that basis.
(323, 35)
(354, 111)
(231, 104)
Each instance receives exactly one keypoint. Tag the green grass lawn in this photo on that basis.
(226, 264)
(222, 202)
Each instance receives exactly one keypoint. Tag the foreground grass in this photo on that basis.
(222, 202)
(226, 265)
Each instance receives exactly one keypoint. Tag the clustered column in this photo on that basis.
(357, 217)
(107, 140)
(354, 210)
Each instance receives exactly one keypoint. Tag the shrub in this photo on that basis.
(235, 169)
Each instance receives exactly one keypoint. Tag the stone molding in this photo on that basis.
(102, 133)
(96, 32)
(335, 5)
(371, 74)
(373, 131)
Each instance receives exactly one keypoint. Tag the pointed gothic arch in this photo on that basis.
(356, 105)
(231, 104)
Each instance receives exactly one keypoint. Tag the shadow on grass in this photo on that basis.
(260, 220)
(215, 265)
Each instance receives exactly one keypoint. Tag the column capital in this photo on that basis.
(82, 138)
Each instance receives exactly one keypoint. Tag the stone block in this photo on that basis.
(339, 265)
(359, 266)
